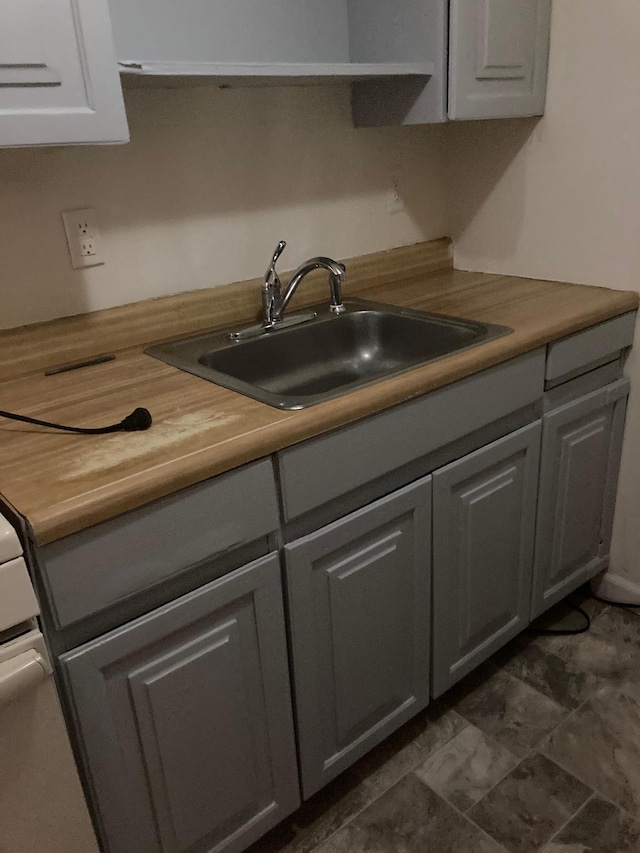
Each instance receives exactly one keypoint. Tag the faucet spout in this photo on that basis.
(336, 272)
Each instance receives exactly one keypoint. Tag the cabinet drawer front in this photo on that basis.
(583, 350)
(317, 471)
(185, 719)
(104, 565)
(484, 510)
(581, 449)
(359, 609)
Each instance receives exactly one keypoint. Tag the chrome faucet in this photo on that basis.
(274, 301)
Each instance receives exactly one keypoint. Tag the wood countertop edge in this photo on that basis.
(167, 477)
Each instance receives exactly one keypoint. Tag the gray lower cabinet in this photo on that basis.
(581, 447)
(359, 603)
(184, 719)
(484, 509)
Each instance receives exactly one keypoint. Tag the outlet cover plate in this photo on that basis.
(83, 237)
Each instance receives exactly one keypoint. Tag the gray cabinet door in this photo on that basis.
(484, 508)
(184, 719)
(359, 610)
(581, 448)
(498, 58)
(59, 80)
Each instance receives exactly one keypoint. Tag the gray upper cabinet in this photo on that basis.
(411, 30)
(397, 55)
(59, 80)
(277, 42)
(581, 448)
(484, 508)
(498, 57)
(359, 603)
(184, 719)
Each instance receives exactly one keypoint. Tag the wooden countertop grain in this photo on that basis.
(62, 483)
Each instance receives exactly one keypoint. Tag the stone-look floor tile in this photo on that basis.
(317, 818)
(530, 805)
(510, 711)
(409, 746)
(333, 806)
(328, 810)
(600, 743)
(547, 672)
(599, 827)
(410, 818)
(610, 650)
(465, 769)
(630, 688)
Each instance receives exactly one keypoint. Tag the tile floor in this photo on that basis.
(539, 750)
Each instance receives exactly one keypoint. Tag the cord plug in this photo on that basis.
(139, 419)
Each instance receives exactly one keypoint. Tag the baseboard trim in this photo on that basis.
(616, 588)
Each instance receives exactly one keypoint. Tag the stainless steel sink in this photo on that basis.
(299, 365)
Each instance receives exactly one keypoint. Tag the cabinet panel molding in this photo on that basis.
(28, 74)
(505, 51)
(365, 691)
(498, 58)
(202, 686)
(59, 80)
(185, 721)
(581, 449)
(359, 608)
(484, 509)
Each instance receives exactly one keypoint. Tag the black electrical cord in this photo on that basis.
(139, 419)
(564, 632)
(571, 632)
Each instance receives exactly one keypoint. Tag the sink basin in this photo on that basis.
(296, 366)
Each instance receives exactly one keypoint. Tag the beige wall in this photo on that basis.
(560, 198)
(211, 180)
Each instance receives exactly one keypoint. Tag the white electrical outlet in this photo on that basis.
(83, 237)
(395, 203)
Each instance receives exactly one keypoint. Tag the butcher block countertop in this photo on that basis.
(62, 483)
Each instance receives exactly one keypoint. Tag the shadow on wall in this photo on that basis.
(211, 180)
(479, 154)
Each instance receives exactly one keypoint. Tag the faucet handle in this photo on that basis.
(282, 245)
(271, 286)
(271, 276)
